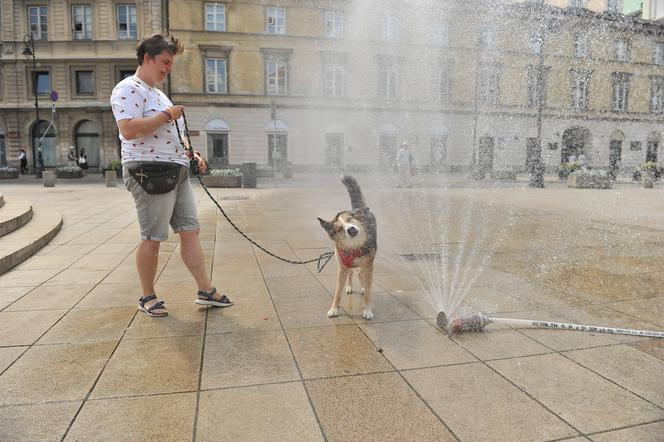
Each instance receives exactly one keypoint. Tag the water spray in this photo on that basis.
(476, 321)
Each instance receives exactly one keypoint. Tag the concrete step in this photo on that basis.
(13, 216)
(22, 243)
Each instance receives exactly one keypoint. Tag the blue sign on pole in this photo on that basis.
(54, 96)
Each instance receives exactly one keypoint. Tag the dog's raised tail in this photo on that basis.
(356, 198)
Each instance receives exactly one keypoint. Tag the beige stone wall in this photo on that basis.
(361, 114)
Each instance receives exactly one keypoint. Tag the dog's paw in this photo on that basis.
(349, 289)
(362, 291)
(367, 314)
(333, 312)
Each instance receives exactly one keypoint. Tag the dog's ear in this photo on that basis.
(325, 225)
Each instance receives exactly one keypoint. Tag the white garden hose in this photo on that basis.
(476, 321)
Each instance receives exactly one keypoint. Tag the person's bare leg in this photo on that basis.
(147, 258)
(192, 255)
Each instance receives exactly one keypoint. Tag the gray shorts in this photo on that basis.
(156, 212)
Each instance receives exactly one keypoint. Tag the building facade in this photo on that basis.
(82, 48)
(342, 83)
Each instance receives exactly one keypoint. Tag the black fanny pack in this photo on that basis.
(156, 178)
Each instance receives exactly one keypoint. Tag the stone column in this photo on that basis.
(48, 177)
(111, 178)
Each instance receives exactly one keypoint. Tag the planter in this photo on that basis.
(264, 172)
(648, 179)
(64, 174)
(504, 175)
(587, 181)
(222, 181)
(8, 174)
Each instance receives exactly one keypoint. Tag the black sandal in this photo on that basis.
(156, 306)
(205, 298)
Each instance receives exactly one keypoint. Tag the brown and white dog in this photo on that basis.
(354, 234)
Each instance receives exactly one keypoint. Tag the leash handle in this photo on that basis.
(193, 162)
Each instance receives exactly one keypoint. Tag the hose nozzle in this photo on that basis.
(468, 322)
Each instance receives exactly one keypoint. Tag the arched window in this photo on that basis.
(87, 142)
(387, 145)
(277, 143)
(217, 142)
(47, 143)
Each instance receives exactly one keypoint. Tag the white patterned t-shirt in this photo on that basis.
(132, 98)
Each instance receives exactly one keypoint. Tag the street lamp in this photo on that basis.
(29, 51)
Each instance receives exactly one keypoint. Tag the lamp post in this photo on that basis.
(547, 25)
(29, 51)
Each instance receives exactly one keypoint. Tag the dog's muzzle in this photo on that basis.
(352, 231)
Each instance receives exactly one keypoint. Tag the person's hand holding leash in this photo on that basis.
(176, 111)
(202, 167)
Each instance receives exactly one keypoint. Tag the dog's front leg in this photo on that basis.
(349, 283)
(342, 277)
(366, 277)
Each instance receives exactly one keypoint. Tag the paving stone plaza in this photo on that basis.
(78, 362)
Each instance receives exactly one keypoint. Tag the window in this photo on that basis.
(658, 53)
(124, 73)
(85, 84)
(276, 77)
(489, 84)
(334, 80)
(580, 85)
(577, 3)
(657, 94)
(635, 145)
(41, 82)
(215, 76)
(127, 22)
(276, 21)
(442, 87)
(334, 24)
(620, 80)
(622, 49)
(536, 42)
(537, 85)
(388, 79)
(81, 22)
(215, 17)
(38, 22)
(441, 33)
(389, 28)
(613, 5)
(488, 37)
(581, 46)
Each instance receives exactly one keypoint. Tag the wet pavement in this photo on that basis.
(77, 361)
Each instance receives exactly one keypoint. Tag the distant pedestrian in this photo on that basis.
(402, 163)
(23, 159)
(71, 157)
(83, 160)
(40, 161)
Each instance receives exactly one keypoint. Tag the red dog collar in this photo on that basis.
(348, 256)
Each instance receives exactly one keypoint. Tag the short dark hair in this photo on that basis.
(155, 44)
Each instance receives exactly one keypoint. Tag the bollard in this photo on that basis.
(111, 178)
(48, 176)
(249, 175)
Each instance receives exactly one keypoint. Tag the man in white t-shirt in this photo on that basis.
(156, 171)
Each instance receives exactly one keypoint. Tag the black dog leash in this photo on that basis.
(321, 261)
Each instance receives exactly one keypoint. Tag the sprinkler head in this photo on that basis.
(468, 322)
